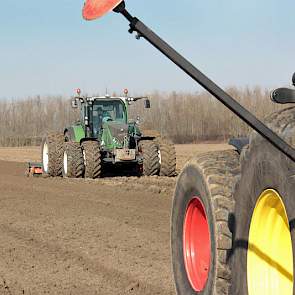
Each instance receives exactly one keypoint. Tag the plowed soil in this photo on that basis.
(106, 236)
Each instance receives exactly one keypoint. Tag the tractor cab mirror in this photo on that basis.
(147, 104)
(74, 103)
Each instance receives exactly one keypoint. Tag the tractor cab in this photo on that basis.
(109, 110)
(95, 112)
(106, 111)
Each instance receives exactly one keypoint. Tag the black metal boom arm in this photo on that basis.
(143, 31)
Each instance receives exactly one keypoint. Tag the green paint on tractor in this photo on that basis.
(79, 133)
(105, 119)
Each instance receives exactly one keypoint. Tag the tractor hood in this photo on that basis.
(117, 130)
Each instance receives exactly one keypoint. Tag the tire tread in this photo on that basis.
(219, 169)
(93, 159)
(150, 157)
(55, 142)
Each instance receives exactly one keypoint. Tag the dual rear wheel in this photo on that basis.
(84, 160)
(69, 159)
(92, 159)
(167, 157)
(159, 157)
(72, 160)
(52, 150)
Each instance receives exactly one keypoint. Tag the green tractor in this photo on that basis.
(103, 137)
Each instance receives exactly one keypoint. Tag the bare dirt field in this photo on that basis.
(64, 236)
(184, 152)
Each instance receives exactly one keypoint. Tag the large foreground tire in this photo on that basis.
(200, 237)
(263, 261)
(92, 159)
(167, 158)
(150, 153)
(73, 163)
(52, 154)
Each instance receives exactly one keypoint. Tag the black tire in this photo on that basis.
(211, 178)
(167, 157)
(151, 163)
(52, 149)
(92, 159)
(73, 163)
(263, 167)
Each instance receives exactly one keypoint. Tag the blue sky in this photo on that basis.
(48, 49)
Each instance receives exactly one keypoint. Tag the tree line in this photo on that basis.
(183, 117)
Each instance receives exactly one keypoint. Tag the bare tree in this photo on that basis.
(183, 117)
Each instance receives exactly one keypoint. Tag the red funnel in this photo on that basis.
(97, 8)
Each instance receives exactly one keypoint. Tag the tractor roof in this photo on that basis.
(106, 97)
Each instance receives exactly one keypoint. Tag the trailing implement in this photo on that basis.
(103, 137)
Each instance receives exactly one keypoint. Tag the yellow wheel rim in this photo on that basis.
(270, 254)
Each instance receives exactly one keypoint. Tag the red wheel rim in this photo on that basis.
(196, 245)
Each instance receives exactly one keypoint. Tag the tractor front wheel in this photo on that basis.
(201, 239)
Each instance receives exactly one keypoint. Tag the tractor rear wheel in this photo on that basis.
(263, 250)
(201, 239)
(52, 154)
(167, 158)
(73, 164)
(92, 159)
(150, 157)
